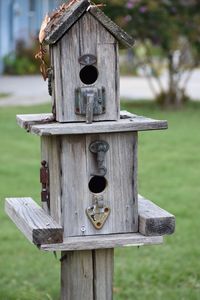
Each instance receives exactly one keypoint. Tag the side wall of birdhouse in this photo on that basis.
(87, 36)
(72, 166)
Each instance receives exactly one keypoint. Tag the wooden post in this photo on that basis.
(87, 275)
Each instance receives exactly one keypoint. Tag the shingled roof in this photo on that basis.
(62, 20)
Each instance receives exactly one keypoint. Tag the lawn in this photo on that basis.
(169, 164)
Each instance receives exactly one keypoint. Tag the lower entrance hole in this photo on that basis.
(97, 184)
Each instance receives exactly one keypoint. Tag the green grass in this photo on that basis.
(169, 164)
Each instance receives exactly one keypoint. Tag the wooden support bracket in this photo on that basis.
(153, 220)
(42, 124)
(33, 221)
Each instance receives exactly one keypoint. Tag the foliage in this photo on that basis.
(22, 61)
(168, 175)
(171, 27)
(4, 95)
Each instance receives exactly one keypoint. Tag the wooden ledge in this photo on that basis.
(103, 242)
(41, 229)
(43, 124)
(38, 227)
(153, 220)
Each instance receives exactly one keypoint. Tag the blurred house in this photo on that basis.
(21, 20)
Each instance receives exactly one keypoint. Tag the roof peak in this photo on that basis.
(61, 20)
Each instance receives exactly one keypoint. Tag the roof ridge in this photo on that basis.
(67, 15)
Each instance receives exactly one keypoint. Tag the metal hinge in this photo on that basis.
(44, 180)
(50, 79)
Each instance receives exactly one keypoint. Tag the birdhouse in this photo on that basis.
(89, 169)
(83, 44)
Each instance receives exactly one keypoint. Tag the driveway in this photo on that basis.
(32, 90)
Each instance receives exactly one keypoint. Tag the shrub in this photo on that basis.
(22, 61)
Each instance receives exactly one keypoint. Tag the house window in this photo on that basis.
(32, 5)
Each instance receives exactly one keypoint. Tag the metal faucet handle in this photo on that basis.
(100, 148)
(89, 107)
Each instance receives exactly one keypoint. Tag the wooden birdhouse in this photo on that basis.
(89, 170)
(83, 44)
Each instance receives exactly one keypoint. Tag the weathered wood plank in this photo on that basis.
(33, 221)
(75, 192)
(154, 220)
(103, 269)
(107, 54)
(56, 29)
(113, 28)
(50, 152)
(131, 124)
(103, 242)
(26, 121)
(87, 274)
(77, 275)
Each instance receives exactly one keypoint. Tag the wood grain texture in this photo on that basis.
(103, 270)
(26, 121)
(57, 28)
(50, 152)
(104, 242)
(120, 194)
(113, 28)
(108, 66)
(85, 37)
(126, 118)
(123, 125)
(31, 219)
(154, 220)
(77, 275)
(74, 185)
(87, 275)
(53, 97)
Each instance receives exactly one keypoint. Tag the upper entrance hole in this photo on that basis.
(89, 74)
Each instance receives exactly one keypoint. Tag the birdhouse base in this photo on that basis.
(41, 229)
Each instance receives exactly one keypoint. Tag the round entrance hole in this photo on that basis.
(89, 74)
(97, 184)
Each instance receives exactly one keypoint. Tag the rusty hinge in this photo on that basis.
(44, 179)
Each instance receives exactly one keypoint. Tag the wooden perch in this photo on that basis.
(33, 221)
(153, 220)
(42, 124)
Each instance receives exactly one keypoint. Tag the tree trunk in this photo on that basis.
(174, 96)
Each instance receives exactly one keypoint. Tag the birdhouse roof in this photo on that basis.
(66, 16)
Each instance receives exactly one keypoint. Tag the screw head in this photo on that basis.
(83, 229)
